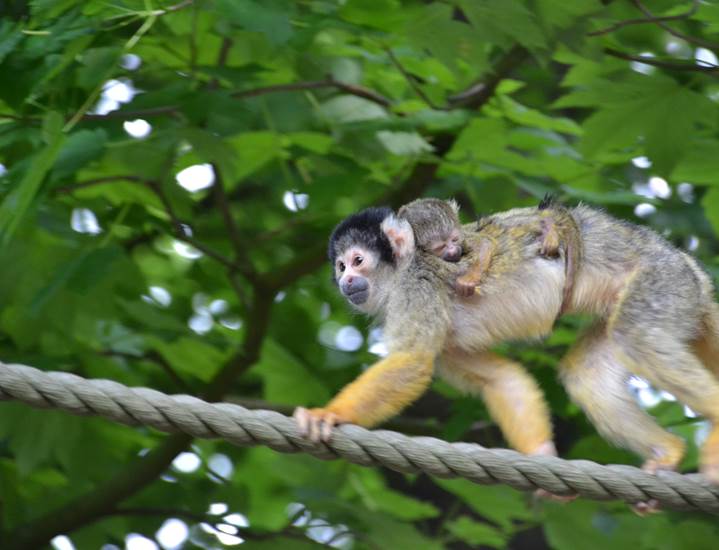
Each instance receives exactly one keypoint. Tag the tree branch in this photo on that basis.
(481, 92)
(179, 228)
(664, 64)
(646, 20)
(661, 23)
(351, 89)
(411, 81)
(223, 205)
(152, 357)
(213, 520)
(67, 189)
(139, 113)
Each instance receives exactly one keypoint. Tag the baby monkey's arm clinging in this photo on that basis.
(467, 283)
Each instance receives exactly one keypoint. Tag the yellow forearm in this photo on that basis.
(385, 389)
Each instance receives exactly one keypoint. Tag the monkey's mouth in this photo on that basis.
(358, 297)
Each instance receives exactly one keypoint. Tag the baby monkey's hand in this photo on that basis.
(465, 285)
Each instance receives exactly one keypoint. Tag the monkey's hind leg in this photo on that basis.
(670, 365)
(654, 327)
(595, 377)
(550, 238)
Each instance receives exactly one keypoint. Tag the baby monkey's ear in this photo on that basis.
(400, 235)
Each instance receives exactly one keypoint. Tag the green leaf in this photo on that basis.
(434, 28)
(36, 436)
(349, 108)
(286, 379)
(497, 503)
(270, 17)
(191, 356)
(700, 164)
(508, 17)
(636, 108)
(593, 526)
(524, 116)
(475, 533)
(312, 141)
(377, 496)
(79, 149)
(403, 143)
(10, 36)
(212, 149)
(710, 203)
(254, 150)
(564, 14)
(17, 203)
(364, 12)
(483, 138)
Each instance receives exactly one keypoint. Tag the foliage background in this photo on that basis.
(305, 112)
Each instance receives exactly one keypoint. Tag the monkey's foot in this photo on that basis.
(316, 424)
(653, 465)
(663, 461)
(711, 472)
(644, 509)
(546, 495)
(709, 460)
(548, 449)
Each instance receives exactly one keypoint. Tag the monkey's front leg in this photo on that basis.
(379, 393)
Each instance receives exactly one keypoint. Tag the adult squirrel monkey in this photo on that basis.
(654, 317)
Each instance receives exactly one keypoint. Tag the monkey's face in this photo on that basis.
(366, 250)
(352, 272)
(448, 247)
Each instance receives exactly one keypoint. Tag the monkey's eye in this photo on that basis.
(455, 239)
(341, 267)
(357, 261)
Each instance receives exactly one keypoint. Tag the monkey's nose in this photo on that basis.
(452, 253)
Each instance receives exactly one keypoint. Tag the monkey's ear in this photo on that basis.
(454, 205)
(400, 235)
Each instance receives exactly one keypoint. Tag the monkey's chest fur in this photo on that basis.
(520, 304)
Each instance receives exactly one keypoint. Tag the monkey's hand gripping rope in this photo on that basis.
(240, 426)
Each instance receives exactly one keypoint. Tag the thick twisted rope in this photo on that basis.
(243, 427)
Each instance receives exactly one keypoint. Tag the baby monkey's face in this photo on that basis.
(447, 246)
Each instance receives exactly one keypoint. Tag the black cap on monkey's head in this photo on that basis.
(362, 228)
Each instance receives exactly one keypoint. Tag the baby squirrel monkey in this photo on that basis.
(654, 312)
(437, 230)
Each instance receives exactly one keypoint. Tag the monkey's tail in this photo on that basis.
(573, 252)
